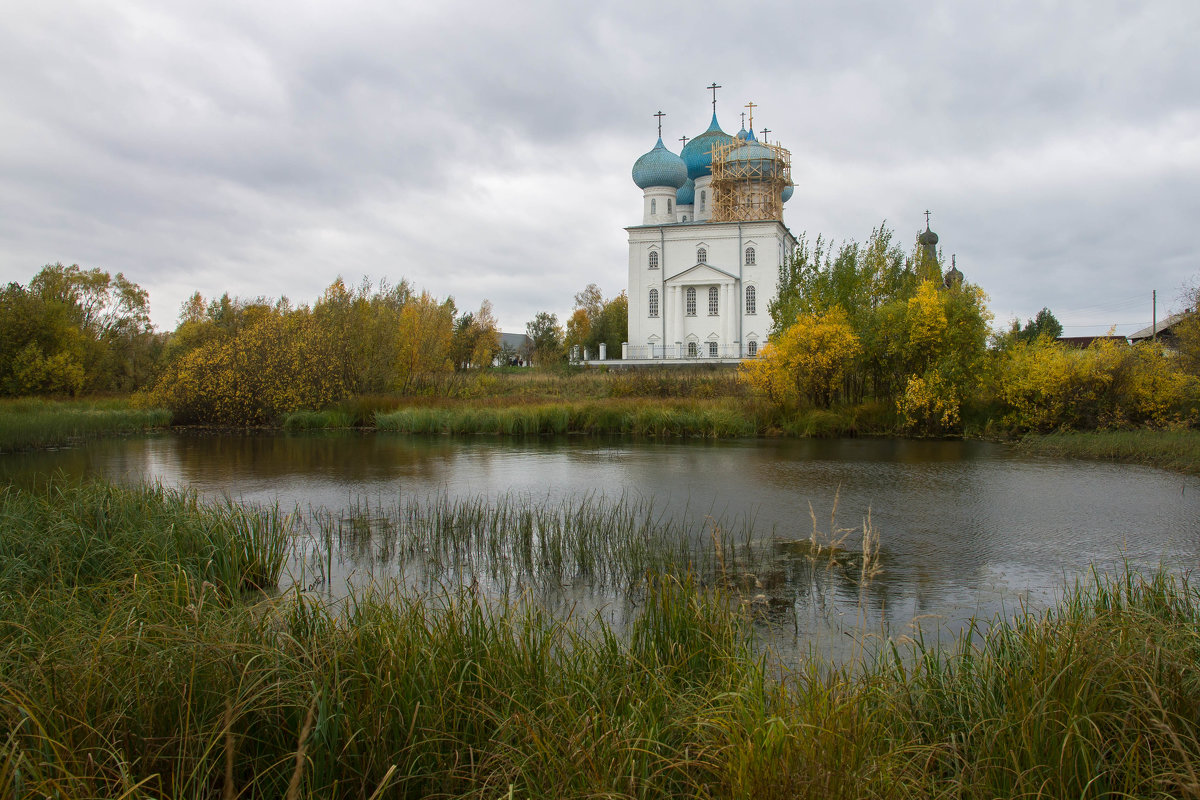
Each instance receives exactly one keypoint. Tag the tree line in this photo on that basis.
(870, 323)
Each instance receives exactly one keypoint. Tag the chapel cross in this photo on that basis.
(714, 88)
(743, 120)
(765, 131)
(751, 106)
(683, 139)
(927, 219)
(660, 115)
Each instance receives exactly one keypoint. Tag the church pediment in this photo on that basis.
(700, 274)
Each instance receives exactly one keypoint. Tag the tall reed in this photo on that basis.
(45, 423)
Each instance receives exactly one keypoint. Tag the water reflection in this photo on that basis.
(966, 528)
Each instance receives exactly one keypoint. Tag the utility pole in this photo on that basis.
(1154, 315)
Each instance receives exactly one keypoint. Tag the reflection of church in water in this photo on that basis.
(704, 262)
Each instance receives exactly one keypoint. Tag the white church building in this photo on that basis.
(704, 262)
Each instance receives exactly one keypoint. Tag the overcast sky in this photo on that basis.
(484, 150)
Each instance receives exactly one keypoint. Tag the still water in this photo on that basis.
(965, 528)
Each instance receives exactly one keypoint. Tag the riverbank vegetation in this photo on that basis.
(137, 660)
(1174, 449)
(865, 339)
(39, 422)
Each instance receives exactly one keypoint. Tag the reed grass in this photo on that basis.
(140, 677)
(30, 423)
(318, 420)
(1169, 449)
(710, 419)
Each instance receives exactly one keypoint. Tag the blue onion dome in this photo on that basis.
(788, 191)
(697, 153)
(750, 135)
(686, 195)
(659, 167)
(752, 160)
(741, 135)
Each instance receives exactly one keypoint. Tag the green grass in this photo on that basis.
(711, 419)
(1177, 450)
(31, 423)
(317, 420)
(129, 668)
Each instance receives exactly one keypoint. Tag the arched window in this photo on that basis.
(712, 349)
(701, 256)
(703, 195)
(668, 205)
(693, 350)
(713, 308)
(751, 300)
(752, 348)
(749, 256)
(653, 304)
(690, 300)
(653, 206)
(653, 259)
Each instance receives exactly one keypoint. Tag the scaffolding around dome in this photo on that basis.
(748, 180)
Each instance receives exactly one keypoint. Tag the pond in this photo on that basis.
(965, 529)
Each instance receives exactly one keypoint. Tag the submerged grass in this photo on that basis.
(1177, 450)
(127, 670)
(37, 422)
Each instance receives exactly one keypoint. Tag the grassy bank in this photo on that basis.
(131, 666)
(722, 418)
(36, 422)
(1177, 450)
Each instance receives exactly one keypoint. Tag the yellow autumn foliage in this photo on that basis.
(1047, 386)
(808, 362)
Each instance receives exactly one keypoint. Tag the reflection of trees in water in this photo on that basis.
(345, 455)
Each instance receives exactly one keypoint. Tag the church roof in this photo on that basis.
(697, 153)
(659, 167)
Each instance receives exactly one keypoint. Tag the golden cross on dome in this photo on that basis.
(751, 106)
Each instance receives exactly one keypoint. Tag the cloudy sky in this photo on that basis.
(484, 150)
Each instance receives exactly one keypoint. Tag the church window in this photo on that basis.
(701, 256)
(653, 304)
(703, 195)
(713, 308)
(752, 348)
(653, 259)
(693, 351)
(749, 256)
(751, 300)
(668, 205)
(690, 299)
(653, 206)
(712, 349)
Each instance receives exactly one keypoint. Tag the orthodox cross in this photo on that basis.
(751, 106)
(714, 88)
(683, 139)
(927, 219)
(660, 115)
(743, 120)
(765, 131)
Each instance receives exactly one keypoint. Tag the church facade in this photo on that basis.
(704, 262)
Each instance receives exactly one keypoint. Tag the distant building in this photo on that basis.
(704, 262)
(1163, 330)
(1084, 342)
(514, 350)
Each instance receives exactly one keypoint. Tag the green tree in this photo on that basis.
(546, 339)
